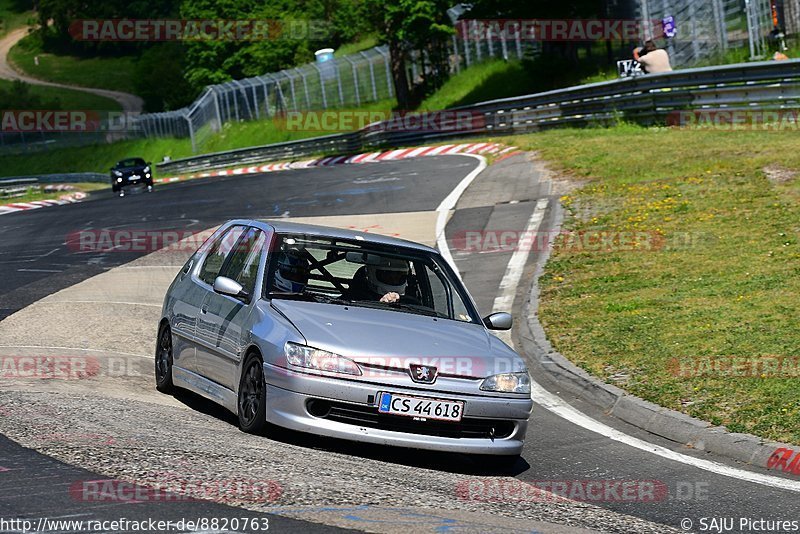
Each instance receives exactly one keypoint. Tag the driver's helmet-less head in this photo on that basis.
(391, 274)
(292, 272)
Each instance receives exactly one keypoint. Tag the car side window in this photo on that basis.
(245, 259)
(440, 296)
(218, 253)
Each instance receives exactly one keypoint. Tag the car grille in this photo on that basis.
(368, 416)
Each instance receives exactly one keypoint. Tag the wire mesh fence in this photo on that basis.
(710, 28)
(705, 28)
(348, 81)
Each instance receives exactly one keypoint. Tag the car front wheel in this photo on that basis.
(252, 399)
(164, 361)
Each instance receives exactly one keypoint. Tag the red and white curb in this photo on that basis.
(367, 157)
(36, 204)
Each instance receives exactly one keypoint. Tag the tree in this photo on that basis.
(407, 25)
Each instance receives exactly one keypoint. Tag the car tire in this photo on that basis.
(251, 400)
(163, 361)
(114, 188)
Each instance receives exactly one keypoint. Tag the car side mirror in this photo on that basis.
(225, 286)
(148, 164)
(498, 321)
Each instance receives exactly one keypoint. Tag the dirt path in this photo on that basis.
(129, 102)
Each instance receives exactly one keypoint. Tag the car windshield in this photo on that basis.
(133, 162)
(363, 274)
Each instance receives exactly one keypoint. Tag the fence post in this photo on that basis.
(503, 45)
(355, 79)
(489, 42)
(467, 58)
(371, 76)
(243, 91)
(280, 100)
(321, 87)
(646, 18)
(305, 87)
(478, 51)
(386, 61)
(291, 89)
(719, 19)
(518, 39)
(456, 56)
(191, 133)
(266, 96)
(216, 109)
(339, 83)
(693, 22)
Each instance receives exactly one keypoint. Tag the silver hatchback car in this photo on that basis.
(344, 334)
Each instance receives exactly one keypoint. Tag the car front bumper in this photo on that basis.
(130, 181)
(288, 395)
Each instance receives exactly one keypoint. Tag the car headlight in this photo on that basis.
(508, 383)
(147, 175)
(320, 360)
(119, 180)
(117, 173)
(146, 170)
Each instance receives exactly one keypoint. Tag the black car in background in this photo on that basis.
(131, 172)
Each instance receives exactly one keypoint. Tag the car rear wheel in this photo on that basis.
(252, 399)
(164, 361)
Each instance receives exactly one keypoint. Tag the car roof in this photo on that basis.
(283, 226)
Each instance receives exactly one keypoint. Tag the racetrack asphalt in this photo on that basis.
(34, 262)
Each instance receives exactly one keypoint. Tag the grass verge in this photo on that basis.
(41, 194)
(484, 81)
(114, 73)
(65, 99)
(97, 158)
(680, 322)
(14, 14)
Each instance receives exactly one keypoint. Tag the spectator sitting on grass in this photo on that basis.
(652, 58)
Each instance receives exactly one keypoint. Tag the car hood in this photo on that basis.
(386, 338)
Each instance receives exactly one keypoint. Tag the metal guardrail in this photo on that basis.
(647, 100)
(16, 187)
(60, 178)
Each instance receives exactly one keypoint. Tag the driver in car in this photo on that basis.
(291, 276)
(385, 282)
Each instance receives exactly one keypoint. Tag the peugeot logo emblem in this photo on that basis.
(422, 373)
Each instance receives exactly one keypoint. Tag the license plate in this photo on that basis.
(421, 407)
(135, 177)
